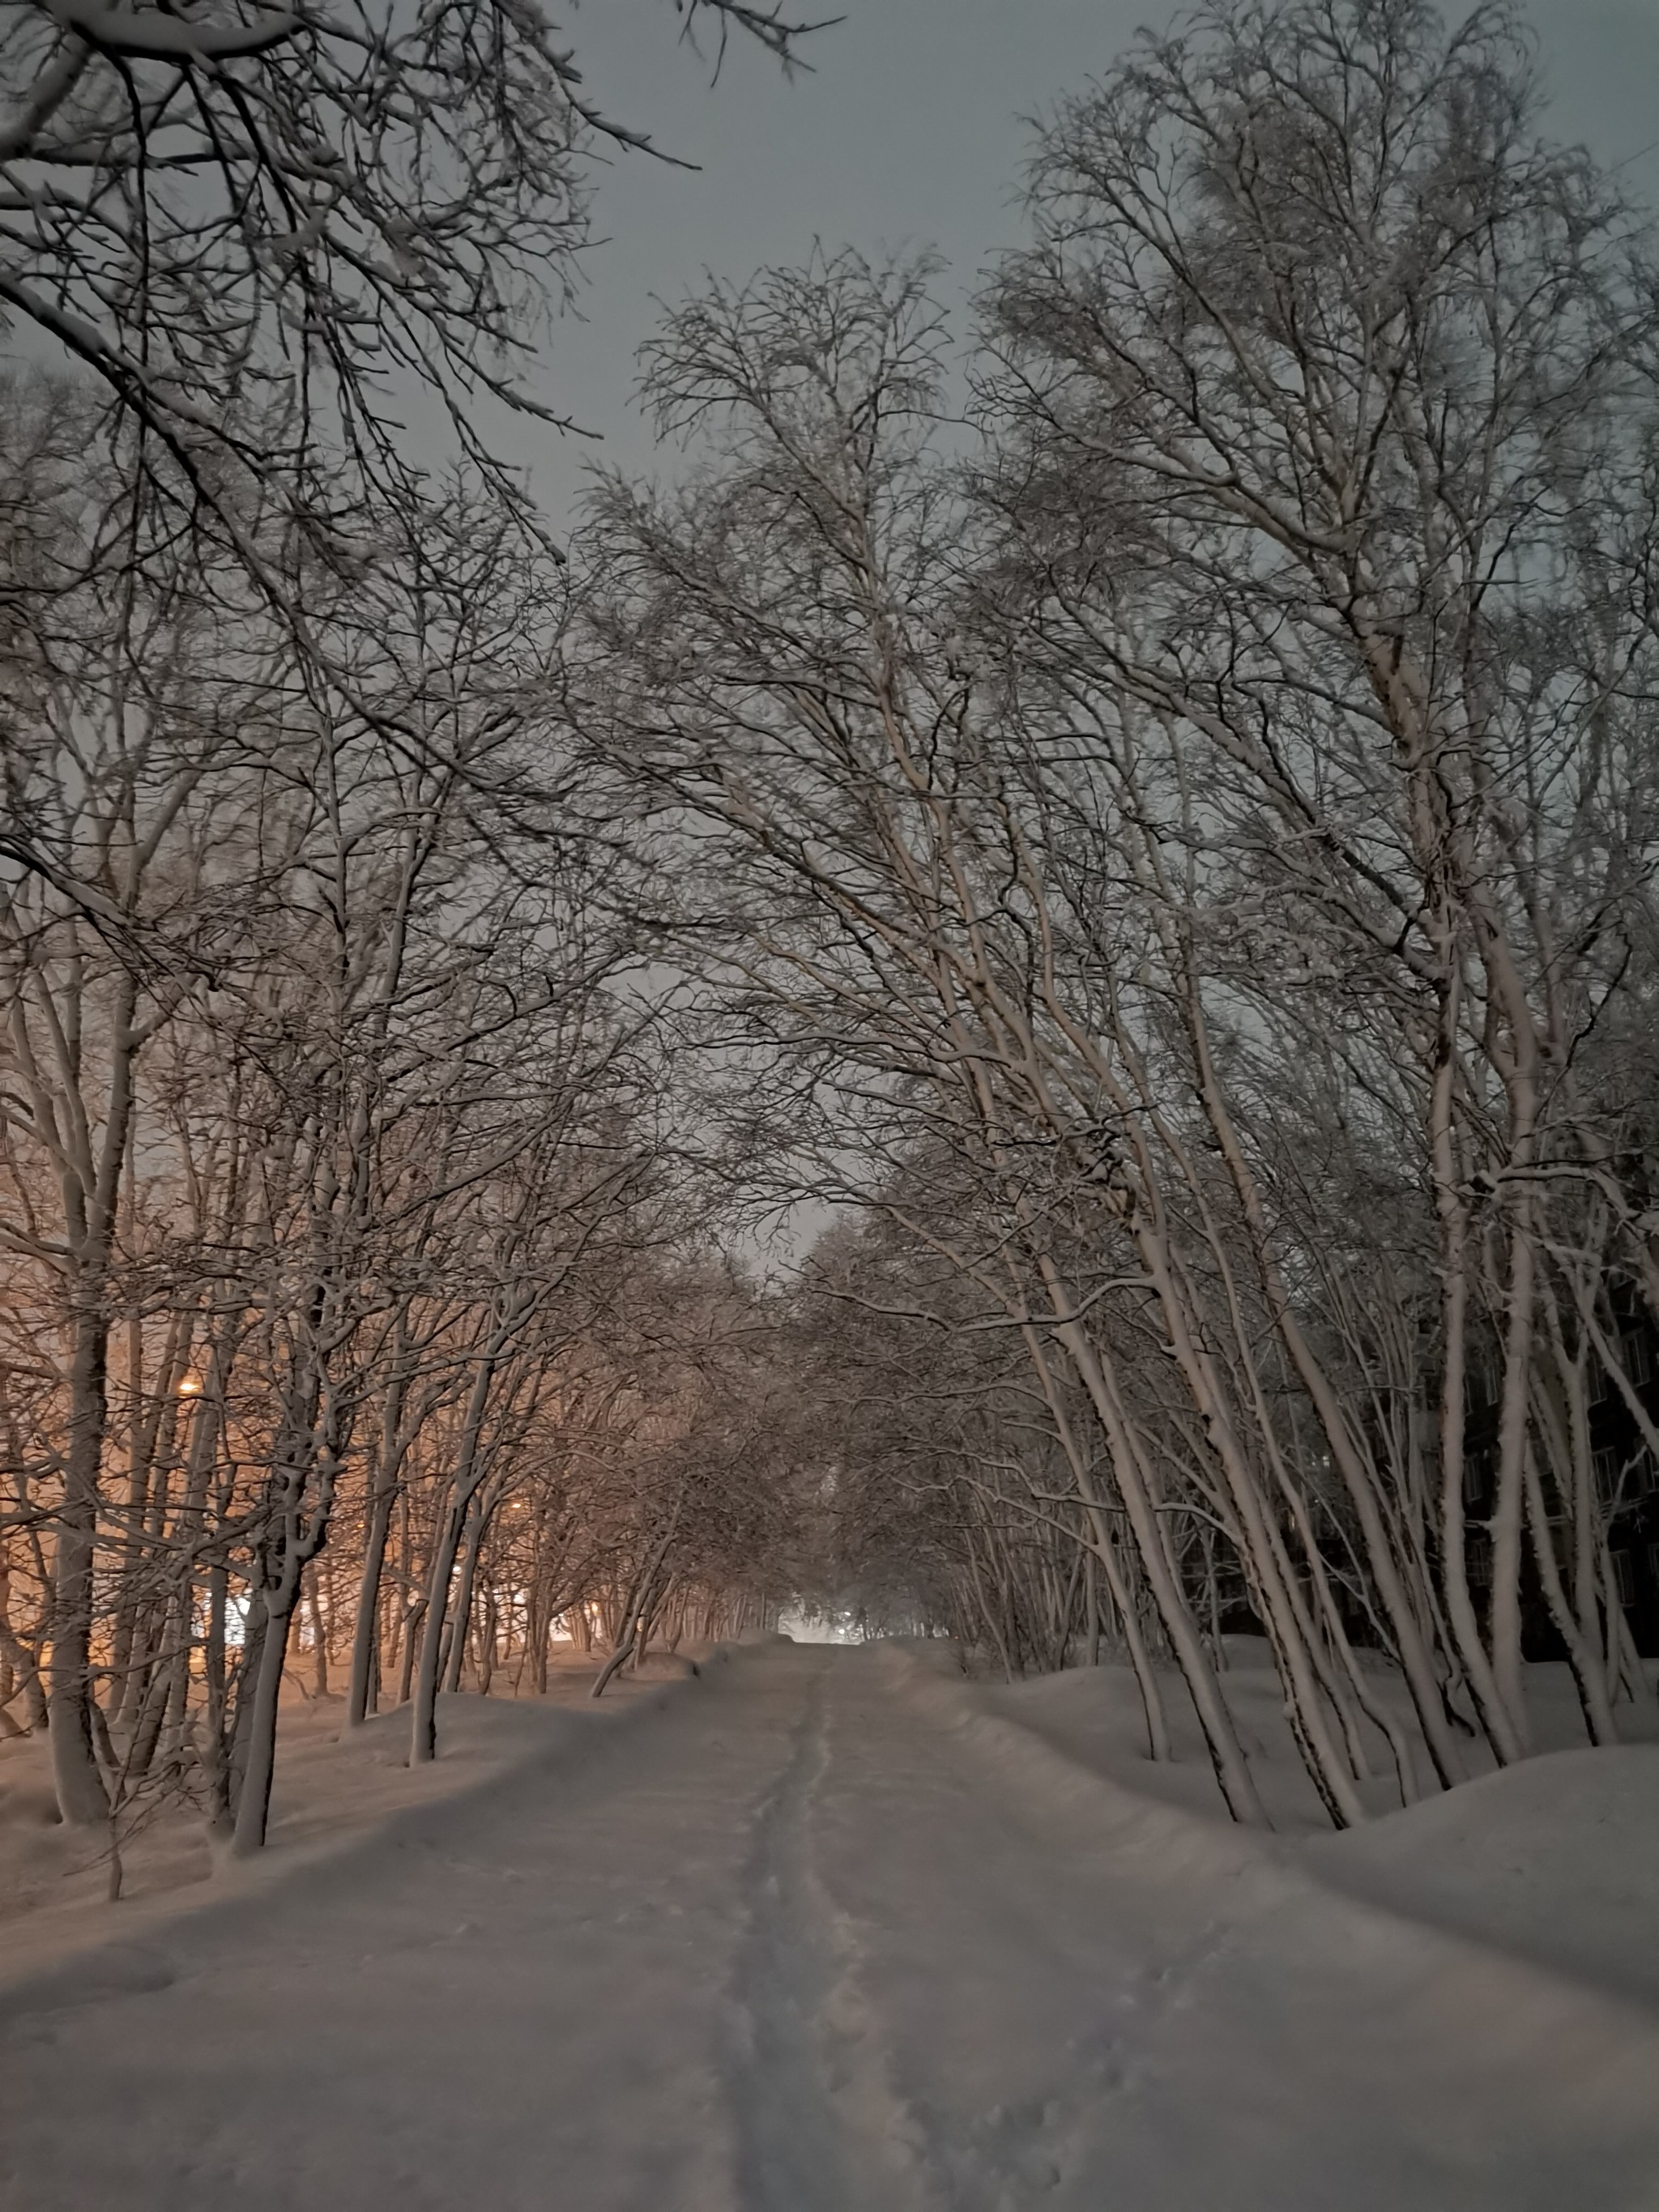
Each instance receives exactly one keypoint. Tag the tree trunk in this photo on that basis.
(360, 1697)
(1105, 1550)
(1226, 1753)
(1454, 1312)
(259, 1766)
(319, 1627)
(462, 1623)
(82, 1800)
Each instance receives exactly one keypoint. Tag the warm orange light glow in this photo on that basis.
(191, 1387)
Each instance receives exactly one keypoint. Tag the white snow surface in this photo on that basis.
(825, 1931)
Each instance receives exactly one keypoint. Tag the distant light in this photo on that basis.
(807, 1625)
(191, 1387)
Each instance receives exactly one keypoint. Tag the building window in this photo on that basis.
(1477, 1474)
(1624, 1575)
(1479, 1561)
(1637, 1357)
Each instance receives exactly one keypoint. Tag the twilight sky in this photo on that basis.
(910, 130)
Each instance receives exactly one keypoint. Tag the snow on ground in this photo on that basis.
(333, 1785)
(1257, 2039)
(827, 1931)
(1556, 1860)
(1094, 1715)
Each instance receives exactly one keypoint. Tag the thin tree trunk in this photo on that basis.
(461, 1624)
(1587, 1671)
(82, 1800)
(314, 1606)
(1454, 1312)
(1227, 1754)
(1105, 1550)
(259, 1770)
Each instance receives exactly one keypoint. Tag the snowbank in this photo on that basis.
(1422, 2029)
(1556, 1860)
(1093, 1714)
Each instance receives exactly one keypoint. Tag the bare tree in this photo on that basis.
(260, 228)
(1240, 762)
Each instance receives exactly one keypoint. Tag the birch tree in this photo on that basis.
(1240, 761)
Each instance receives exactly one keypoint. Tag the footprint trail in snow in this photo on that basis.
(810, 1938)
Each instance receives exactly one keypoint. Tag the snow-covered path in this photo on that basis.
(801, 1942)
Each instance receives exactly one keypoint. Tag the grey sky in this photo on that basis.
(908, 131)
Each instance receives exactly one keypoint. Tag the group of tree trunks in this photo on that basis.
(1152, 815)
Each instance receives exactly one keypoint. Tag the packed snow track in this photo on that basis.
(813, 1935)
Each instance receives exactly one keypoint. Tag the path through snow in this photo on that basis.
(815, 1936)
